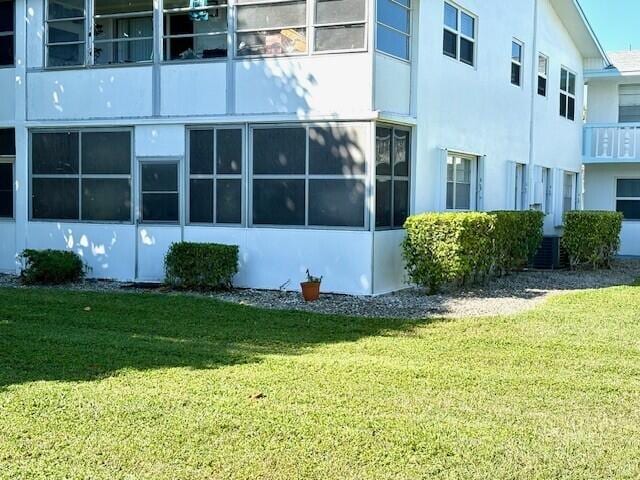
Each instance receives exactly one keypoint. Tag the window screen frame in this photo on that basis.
(139, 217)
(544, 75)
(85, 40)
(11, 160)
(473, 194)
(316, 25)
(79, 176)
(567, 93)
(459, 35)
(619, 198)
(242, 176)
(307, 177)
(11, 34)
(519, 63)
(408, 34)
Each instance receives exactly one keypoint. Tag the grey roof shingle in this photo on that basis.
(628, 61)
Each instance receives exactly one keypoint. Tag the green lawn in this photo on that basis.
(164, 387)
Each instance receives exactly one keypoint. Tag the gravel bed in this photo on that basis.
(513, 294)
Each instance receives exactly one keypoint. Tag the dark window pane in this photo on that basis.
(160, 207)
(630, 113)
(383, 151)
(6, 50)
(107, 7)
(400, 202)
(466, 51)
(336, 203)
(6, 204)
(383, 203)
(7, 141)
(630, 209)
(55, 199)
(563, 105)
(337, 11)
(55, 153)
(393, 15)
(571, 109)
(336, 151)
(279, 150)
(515, 74)
(106, 153)
(65, 55)
(628, 187)
(450, 196)
(278, 202)
(201, 201)
(106, 200)
(392, 42)
(6, 176)
(6, 190)
(66, 8)
(229, 201)
(463, 196)
(450, 44)
(401, 153)
(201, 152)
(6, 15)
(159, 177)
(67, 31)
(229, 158)
(340, 37)
(542, 86)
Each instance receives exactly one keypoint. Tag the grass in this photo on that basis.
(168, 387)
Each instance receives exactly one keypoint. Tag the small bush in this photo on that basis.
(592, 238)
(51, 267)
(517, 237)
(442, 248)
(201, 266)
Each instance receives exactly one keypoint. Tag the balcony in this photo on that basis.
(611, 143)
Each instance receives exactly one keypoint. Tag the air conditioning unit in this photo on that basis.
(551, 255)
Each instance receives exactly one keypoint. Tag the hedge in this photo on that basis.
(591, 238)
(517, 237)
(201, 266)
(51, 267)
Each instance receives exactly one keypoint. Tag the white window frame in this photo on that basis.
(544, 75)
(473, 191)
(459, 35)
(574, 190)
(519, 63)
(11, 160)
(568, 94)
(618, 198)
(84, 60)
(11, 34)
(408, 34)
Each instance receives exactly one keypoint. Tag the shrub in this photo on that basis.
(51, 267)
(201, 266)
(517, 237)
(448, 247)
(591, 238)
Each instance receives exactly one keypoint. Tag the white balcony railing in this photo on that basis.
(619, 142)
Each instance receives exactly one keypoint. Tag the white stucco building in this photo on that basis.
(304, 131)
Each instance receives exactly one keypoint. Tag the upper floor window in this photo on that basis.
(393, 33)
(629, 106)
(567, 94)
(7, 32)
(516, 63)
(459, 39)
(628, 198)
(340, 25)
(543, 73)
(461, 182)
(65, 33)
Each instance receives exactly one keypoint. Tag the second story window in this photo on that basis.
(516, 63)
(123, 31)
(340, 25)
(629, 106)
(195, 30)
(567, 94)
(459, 39)
(7, 32)
(271, 28)
(543, 73)
(393, 33)
(65, 33)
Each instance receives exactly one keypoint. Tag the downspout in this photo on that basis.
(534, 88)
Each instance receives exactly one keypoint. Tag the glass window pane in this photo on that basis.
(336, 203)
(450, 44)
(341, 37)
(392, 42)
(542, 65)
(7, 141)
(65, 55)
(400, 203)
(66, 8)
(106, 153)
(450, 16)
(54, 153)
(279, 202)
(7, 9)
(277, 42)
(203, 44)
(279, 151)
(383, 151)
(55, 199)
(383, 203)
(563, 105)
(628, 187)
(564, 79)
(6, 51)
(466, 51)
(201, 201)
(572, 84)
(337, 11)
(393, 15)
(201, 152)
(630, 209)
(106, 200)
(229, 155)
(542, 86)
(67, 31)
(467, 25)
(516, 52)
(159, 177)
(336, 151)
(401, 153)
(450, 188)
(171, 4)
(450, 172)
(271, 16)
(123, 52)
(6, 176)
(571, 108)
(229, 201)
(515, 74)
(108, 7)
(160, 207)
(463, 196)
(6, 190)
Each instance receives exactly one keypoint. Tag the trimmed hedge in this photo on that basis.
(201, 266)
(51, 267)
(448, 247)
(592, 237)
(517, 237)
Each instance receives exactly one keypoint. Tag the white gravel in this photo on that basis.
(513, 294)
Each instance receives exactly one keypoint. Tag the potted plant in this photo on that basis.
(311, 288)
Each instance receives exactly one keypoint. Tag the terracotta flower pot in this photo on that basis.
(310, 291)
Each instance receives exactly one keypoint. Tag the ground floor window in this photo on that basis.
(628, 198)
(393, 148)
(160, 195)
(81, 175)
(569, 191)
(311, 176)
(461, 182)
(6, 188)
(520, 200)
